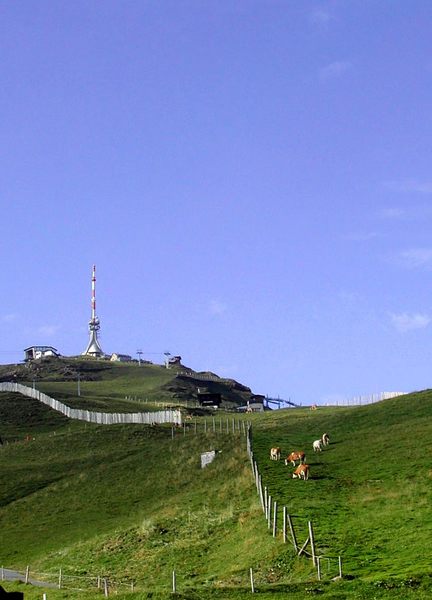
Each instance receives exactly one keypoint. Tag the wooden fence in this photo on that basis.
(366, 399)
(146, 418)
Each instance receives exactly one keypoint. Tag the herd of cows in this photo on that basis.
(302, 469)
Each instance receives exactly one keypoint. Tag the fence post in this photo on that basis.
(174, 587)
(340, 566)
(2, 573)
(265, 501)
(293, 535)
(269, 512)
(284, 524)
(260, 489)
(318, 568)
(106, 593)
(302, 549)
(44, 597)
(312, 542)
(205, 425)
(214, 425)
(27, 574)
(251, 581)
(60, 580)
(274, 519)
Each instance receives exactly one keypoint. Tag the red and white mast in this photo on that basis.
(93, 347)
(93, 300)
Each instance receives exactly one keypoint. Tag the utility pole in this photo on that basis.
(139, 352)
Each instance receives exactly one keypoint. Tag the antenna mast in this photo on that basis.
(93, 347)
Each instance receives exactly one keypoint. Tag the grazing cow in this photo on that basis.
(325, 439)
(302, 472)
(275, 453)
(294, 456)
(317, 446)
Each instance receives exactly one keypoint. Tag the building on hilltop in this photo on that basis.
(173, 361)
(93, 347)
(116, 357)
(207, 398)
(35, 352)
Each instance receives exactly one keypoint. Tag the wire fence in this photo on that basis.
(105, 585)
(280, 522)
(61, 580)
(215, 425)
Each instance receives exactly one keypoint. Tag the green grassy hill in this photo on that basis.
(369, 492)
(110, 386)
(131, 503)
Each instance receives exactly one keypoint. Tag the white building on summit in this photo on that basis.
(93, 347)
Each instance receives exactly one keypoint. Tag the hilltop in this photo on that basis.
(103, 381)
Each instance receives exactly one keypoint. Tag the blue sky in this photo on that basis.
(251, 178)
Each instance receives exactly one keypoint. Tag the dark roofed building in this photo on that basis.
(206, 398)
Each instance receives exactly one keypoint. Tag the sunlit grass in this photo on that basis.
(130, 503)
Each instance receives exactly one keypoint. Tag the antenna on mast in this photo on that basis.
(93, 347)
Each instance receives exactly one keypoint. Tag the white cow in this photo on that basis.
(317, 446)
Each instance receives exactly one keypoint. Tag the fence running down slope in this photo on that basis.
(146, 418)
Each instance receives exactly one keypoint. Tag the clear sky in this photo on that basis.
(252, 179)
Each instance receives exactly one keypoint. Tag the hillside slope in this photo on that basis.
(370, 492)
(131, 503)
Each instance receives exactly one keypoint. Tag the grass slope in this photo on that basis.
(130, 503)
(370, 490)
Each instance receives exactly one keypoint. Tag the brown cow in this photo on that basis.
(294, 456)
(302, 472)
(275, 453)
